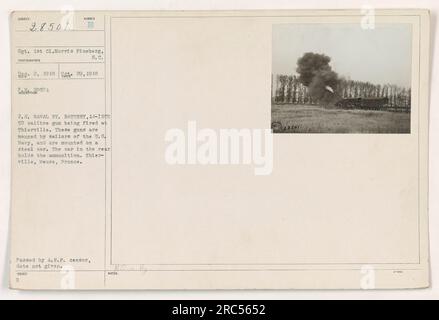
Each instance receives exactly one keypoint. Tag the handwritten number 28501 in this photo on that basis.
(45, 26)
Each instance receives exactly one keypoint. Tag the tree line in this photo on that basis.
(288, 89)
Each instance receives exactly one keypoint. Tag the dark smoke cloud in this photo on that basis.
(316, 74)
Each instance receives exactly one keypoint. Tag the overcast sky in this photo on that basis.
(380, 56)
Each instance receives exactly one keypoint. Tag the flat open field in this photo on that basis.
(317, 119)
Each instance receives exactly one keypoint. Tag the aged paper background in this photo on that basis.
(311, 224)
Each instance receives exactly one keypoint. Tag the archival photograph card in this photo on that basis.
(220, 149)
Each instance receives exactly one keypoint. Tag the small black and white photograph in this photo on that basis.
(341, 78)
